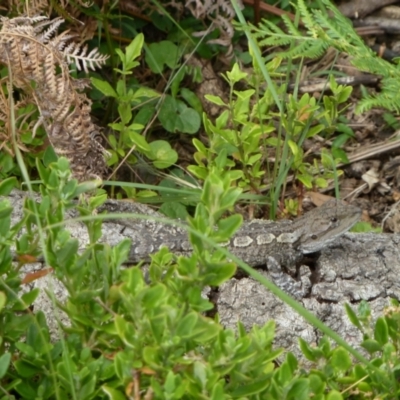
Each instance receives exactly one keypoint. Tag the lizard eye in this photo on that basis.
(314, 237)
(333, 219)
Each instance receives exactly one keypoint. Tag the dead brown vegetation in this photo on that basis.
(38, 59)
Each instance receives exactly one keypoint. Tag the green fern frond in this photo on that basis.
(270, 35)
(308, 49)
(329, 28)
(375, 65)
(307, 19)
(388, 100)
(291, 27)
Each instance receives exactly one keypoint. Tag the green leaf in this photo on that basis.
(321, 183)
(221, 121)
(5, 211)
(124, 111)
(192, 99)
(186, 325)
(160, 54)
(63, 164)
(341, 140)
(151, 356)
(307, 350)
(344, 94)
(299, 390)
(317, 385)
(306, 180)
(334, 395)
(175, 116)
(122, 57)
(117, 126)
(190, 120)
(145, 92)
(120, 325)
(236, 75)
(314, 130)
(4, 364)
(133, 278)
(362, 226)
(145, 114)
(228, 226)
(174, 209)
(205, 330)
(7, 185)
(138, 140)
(53, 180)
(6, 163)
(294, 147)
(3, 301)
(25, 349)
(121, 251)
(26, 300)
(104, 87)
(381, 332)
(339, 154)
(43, 172)
(162, 154)
(154, 296)
(199, 172)
(199, 146)
(133, 50)
(340, 359)
(346, 131)
(87, 186)
(24, 369)
(145, 194)
(112, 393)
(371, 346)
(215, 100)
(291, 360)
(364, 310)
(221, 273)
(178, 78)
(217, 392)
(352, 316)
(200, 373)
(68, 191)
(26, 390)
(67, 253)
(252, 389)
(170, 382)
(98, 200)
(86, 391)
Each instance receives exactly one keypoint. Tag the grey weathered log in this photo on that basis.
(355, 267)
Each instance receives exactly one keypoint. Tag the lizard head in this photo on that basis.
(325, 224)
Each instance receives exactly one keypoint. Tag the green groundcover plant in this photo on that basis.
(138, 333)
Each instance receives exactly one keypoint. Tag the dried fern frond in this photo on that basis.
(77, 53)
(34, 52)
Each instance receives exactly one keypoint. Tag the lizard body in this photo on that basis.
(278, 245)
(257, 242)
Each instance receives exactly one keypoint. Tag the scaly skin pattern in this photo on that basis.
(257, 242)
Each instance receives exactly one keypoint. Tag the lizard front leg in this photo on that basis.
(297, 289)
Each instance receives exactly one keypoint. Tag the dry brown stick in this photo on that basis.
(367, 30)
(271, 9)
(373, 151)
(387, 24)
(361, 8)
(318, 85)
